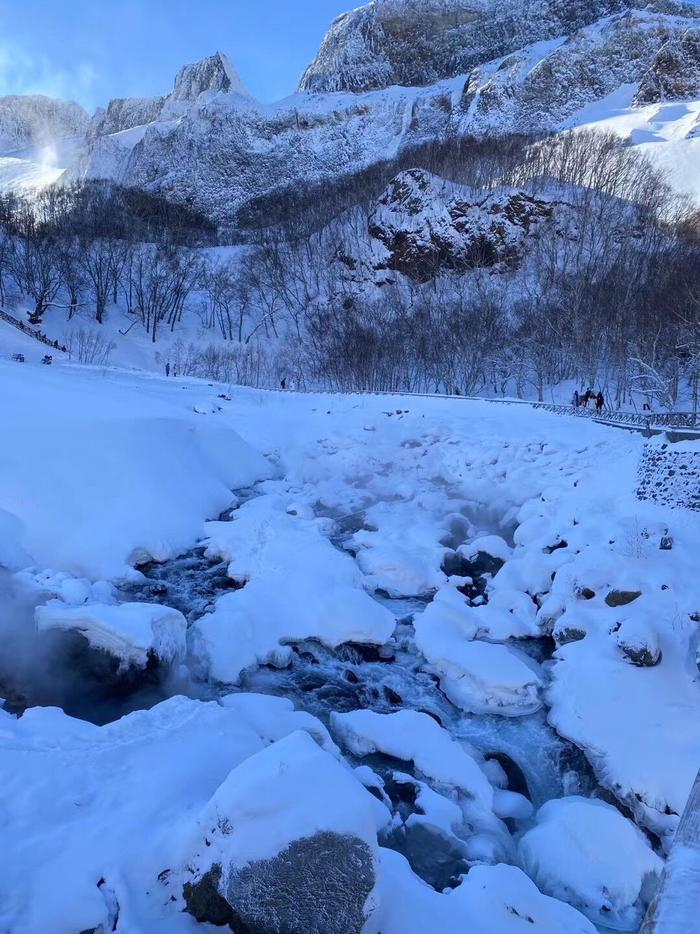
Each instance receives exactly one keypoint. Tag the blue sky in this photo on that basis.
(92, 50)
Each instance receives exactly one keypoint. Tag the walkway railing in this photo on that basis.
(30, 332)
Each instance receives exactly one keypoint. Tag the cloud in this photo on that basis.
(22, 72)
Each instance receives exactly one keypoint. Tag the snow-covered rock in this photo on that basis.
(419, 42)
(479, 677)
(426, 225)
(638, 641)
(80, 795)
(491, 900)
(585, 852)
(287, 843)
(137, 634)
(674, 74)
(414, 737)
(214, 73)
(297, 586)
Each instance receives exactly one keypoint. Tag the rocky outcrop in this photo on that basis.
(675, 72)
(427, 225)
(214, 73)
(34, 120)
(419, 42)
(125, 113)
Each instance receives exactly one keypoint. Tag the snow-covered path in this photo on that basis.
(494, 533)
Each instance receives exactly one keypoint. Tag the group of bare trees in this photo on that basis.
(605, 293)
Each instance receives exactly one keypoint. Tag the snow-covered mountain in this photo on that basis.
(389, 76)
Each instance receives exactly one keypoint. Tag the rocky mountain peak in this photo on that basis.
(214, 73)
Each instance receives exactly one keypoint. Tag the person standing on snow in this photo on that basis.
(167, 368)
(599, 402)
(576, 401)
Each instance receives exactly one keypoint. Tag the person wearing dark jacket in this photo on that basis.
(599, 402)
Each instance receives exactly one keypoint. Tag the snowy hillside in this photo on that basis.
(408, 638)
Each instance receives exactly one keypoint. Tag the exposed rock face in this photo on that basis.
(215, 73)
(419, 42)
(675, 72)
(317, 885)
(124, 113)
(35, 120)
(426, 226)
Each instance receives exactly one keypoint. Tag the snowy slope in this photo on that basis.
(668, 132)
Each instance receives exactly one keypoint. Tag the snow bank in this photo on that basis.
(297, 587)
(132, 632)
(103, 465)
(585, 852)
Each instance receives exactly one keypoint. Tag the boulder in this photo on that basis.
(287, 844)
(316, 885)
(622, 597)
(638, 642)
(137, 635)
(563, 634)
(584, 852)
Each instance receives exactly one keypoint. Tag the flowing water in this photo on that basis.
(536, 762)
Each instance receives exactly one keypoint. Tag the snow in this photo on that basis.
(131, 632)
(585, 852)
(104, 467)
(481, 677)
(414, 737)
(291, 789)
(666, 132)
(491, 900)
(81, 795)
(109, 467)
(297, 586)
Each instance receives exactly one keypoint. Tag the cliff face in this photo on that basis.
(419, 42)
